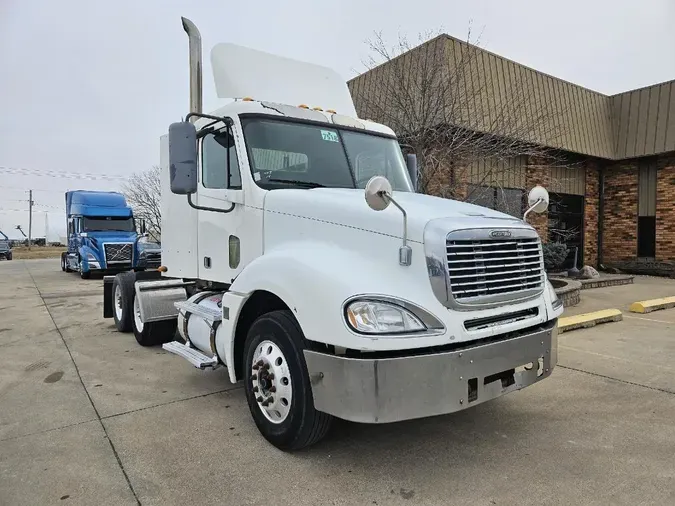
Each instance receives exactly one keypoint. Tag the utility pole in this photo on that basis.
(30, 217)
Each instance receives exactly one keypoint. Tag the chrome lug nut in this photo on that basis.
(259, 399)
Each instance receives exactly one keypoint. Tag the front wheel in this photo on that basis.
(277, 383)
(8, 256)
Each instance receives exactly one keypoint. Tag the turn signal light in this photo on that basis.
(162, 268)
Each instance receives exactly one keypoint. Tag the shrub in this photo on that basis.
(554, 255)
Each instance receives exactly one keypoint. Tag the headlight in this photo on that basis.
(555, 300)
(91, 258)
(377, 317)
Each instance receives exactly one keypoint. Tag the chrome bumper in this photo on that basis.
(394, 389)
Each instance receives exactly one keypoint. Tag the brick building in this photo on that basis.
(615, 197)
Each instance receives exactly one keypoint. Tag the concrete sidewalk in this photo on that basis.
(89, 417)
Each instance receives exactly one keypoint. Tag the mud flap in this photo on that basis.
(108, 296)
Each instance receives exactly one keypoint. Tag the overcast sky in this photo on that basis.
(88, 87)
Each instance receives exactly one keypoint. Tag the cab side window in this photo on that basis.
(216, 149)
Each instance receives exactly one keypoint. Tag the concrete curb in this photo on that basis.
(647, 306)
(586, 320)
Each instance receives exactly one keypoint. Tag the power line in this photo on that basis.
(52, 190)
(60, 174)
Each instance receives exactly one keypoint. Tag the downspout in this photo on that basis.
(601, 212)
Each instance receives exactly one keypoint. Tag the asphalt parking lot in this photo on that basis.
(89, 417)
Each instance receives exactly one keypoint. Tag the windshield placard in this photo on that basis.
(327, 135)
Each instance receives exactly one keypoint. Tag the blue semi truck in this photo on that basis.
(102, 235)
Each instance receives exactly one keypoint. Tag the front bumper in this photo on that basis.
(382, 390)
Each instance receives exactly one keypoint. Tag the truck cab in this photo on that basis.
(297, 254)
(102, 234)
(5, 246)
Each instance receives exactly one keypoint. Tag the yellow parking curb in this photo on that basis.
(647, 306)
(582, 321)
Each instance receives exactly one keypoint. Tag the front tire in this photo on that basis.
(63, 262)
(152, 333)
(123, 300)
(277, 383)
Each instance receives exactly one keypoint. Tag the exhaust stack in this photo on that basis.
(195, 39)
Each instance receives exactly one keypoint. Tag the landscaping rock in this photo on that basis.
(588, 272)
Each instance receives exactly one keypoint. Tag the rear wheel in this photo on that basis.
(123, 300)
(152, 333)
(277, 384)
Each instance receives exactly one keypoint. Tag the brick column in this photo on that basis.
(448, 183)
(538, 173)
(620, 213)
(591, 202)
(665, 213)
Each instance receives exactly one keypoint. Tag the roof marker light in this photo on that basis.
(317, 109)
(247, 99)
(303, 106)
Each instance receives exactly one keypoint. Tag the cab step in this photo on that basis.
(192, 355)
(208, 314)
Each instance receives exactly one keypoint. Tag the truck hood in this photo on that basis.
(347, 207)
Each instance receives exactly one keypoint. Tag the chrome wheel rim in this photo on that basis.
(137, 315)
(118, 302)
(271, 382)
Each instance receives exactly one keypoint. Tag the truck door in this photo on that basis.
(220, 229)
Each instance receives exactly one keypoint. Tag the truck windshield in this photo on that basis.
(108, 223)
(291, 154)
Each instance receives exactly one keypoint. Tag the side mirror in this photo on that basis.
(376, 189)
(183, 158)
(537, 200)
(411, 162)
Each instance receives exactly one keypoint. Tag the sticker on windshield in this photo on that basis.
(327, 135)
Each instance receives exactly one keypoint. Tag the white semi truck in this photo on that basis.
(297, 254)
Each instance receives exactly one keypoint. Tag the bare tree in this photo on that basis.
(143, 193)
(465, 125)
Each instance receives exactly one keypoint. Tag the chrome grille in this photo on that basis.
(482, 270)
(118, 253)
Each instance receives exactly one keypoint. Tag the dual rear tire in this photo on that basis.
(127, 314)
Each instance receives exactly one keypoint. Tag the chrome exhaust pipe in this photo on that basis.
(195, 41)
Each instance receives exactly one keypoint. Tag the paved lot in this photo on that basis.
(89, 417)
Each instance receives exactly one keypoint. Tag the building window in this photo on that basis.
(505, 200)
(566, 225)
(647, 210)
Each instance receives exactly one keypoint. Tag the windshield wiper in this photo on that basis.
(308, 184)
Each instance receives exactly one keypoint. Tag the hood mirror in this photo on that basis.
(378, 197)
(537, 200)
(378, 193)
